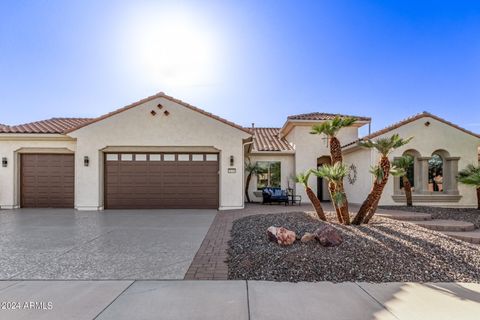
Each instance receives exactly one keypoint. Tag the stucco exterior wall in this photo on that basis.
(309, 147)
(427, 139)
(361, 159)
(287, 168)
(137, 127)
(11, 146)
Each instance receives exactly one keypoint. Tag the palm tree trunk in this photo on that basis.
(408, 190)
(331, 190)
(344, 209)
(335, 150)
(375, 194)
(336, 154)
(316, 204)
(371, 212)
(247, 184)
(478, 198)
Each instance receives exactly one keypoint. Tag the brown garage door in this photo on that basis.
(155, 181)
(47, 180)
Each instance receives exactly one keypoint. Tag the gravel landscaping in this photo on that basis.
(463, 214)
(383, 251)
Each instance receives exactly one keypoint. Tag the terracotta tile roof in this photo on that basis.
(411, 119)
(315, 116)
(267, 139)
(160, 95)
(53, 125)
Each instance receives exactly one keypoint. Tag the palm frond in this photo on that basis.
(334, 173)
(377, 173)
(303, 177)
(385, 145)
(253, 168)
(339, 198)
(470, 176)
(331, 127)
(397, 171)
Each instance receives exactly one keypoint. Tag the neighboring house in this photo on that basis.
(161, 152)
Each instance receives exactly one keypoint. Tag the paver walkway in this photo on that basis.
(237, 300)
(462, 230)
(209, 262)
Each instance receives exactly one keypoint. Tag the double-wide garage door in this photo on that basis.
(47, 180)
(162, 180)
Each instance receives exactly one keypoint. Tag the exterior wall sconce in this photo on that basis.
(232, 161)
(86, 161)
(427, 123)
(4, 162)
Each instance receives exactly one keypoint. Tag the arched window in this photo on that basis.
(412, 172)
(436, 173)
(410, 176)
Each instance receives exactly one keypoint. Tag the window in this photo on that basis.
(270, 176)
(410, 175)
(126, 157)
(168, 157)
(140, 157)
(183, 157)
(197, 157)
(112, 157)
(435, 173)
(155, 157)
(212, 157)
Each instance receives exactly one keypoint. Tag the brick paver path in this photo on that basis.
(209, 262)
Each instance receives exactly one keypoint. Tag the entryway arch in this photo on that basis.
(322, 184)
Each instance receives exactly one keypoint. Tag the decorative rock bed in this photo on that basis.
(383, 251)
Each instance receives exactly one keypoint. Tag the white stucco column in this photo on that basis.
(450, 172)
(422, 175)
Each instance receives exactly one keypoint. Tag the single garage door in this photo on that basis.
(47, 180)
(163, 180)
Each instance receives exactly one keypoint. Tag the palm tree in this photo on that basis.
(335, 175)
(330, 129)
(377, 173)
(303, 179)
(471, 176)
(251, 169)
(404, 163)
(384, 146)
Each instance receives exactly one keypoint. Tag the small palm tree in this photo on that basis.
(378, 174)
(335, 175)
(330, 129)
(302, 178)
(384, 146)
(252, 169)
(404, 163)
(471, 176)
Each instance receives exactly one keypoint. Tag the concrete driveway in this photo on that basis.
(113, 244)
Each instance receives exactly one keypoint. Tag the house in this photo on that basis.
(161, 152)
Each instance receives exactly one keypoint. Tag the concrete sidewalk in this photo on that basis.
(233, 300)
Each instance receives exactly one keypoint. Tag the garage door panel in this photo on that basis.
(47, 180)
(161, 184)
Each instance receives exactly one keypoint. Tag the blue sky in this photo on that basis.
(248, 61)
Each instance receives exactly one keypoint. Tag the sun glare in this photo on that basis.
(170, 48)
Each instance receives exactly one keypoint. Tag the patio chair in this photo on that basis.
(274, 195)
